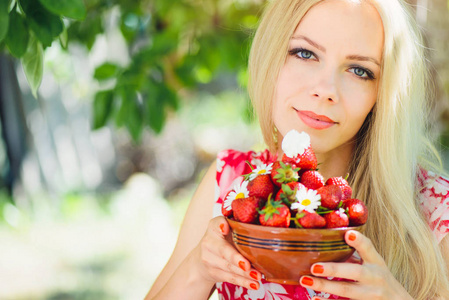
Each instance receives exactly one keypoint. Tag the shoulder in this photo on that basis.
(433, 196)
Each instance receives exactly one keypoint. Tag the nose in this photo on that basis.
(325, 87)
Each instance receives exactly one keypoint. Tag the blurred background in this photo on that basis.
(110, 112)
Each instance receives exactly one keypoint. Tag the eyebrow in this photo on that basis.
(321, 48)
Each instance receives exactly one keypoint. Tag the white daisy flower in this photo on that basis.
(295, 143)
(261, 170)
(239, 191)
(256, 162)
(306, 199)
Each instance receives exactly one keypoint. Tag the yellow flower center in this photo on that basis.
(261, 172)
(239, 196)
(306, 202)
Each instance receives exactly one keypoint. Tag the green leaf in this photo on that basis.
(170, 97)
(18, 35)
(106, 71)
(103, 106)
(74, 9)
(33, 66)
(45, 25)
(4, 18)
(86, 32)
(64, 38)
(154, 108)
(156, 115)
(130, 113)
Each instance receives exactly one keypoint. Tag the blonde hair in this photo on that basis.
(391, 145)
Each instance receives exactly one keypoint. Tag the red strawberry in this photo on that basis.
(282, 173)
(343, 184)
(330, 196)
(275, 214)
(245, 210)
(306, 160)
(261, 186)
(310, 220)
(336, 218)
(312, 179)
(287, 193)
(226, 211)
(357, 211)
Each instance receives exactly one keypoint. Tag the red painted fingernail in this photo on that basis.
(318, 269)
(242, 265)
(253, 286)
(307, 281)
(253, 274)
(352, 236)
(222, 228)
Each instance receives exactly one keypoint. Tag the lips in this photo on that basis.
(315, 121)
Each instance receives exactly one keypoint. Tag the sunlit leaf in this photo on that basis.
(103, 105)
(74, 9)
(4, 18)
(106, 71)
(64, 38)
(32, 63)
(18, 35)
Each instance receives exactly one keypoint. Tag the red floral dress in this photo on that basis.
(433, 197)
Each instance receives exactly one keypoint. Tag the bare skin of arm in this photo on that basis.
(202, 255)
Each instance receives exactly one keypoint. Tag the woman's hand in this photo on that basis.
(371, 279)
(219, 261)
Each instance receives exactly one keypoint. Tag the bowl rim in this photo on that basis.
(288, 229)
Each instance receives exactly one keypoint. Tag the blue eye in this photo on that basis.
(362, 73)
(305, 54)
(302, 53)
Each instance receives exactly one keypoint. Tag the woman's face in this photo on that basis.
(328, 83)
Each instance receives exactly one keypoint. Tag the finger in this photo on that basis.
(236, 279)
(220, 253)
(349, 271)
(227, 266)
(364, 247)
(219, 225)
(340, 288)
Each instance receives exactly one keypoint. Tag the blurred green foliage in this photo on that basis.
(173, 46)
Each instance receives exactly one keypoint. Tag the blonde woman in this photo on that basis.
(351, 73)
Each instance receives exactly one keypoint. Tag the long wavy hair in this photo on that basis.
(391, 146)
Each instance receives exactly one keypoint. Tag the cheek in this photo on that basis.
(359, 97)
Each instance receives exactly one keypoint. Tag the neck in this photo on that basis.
(336, 162)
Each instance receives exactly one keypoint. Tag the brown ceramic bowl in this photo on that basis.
(283, 255)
